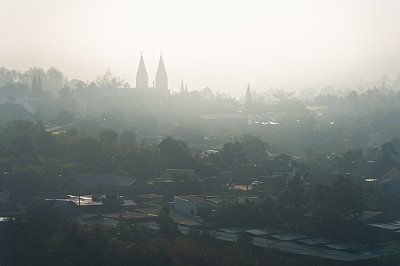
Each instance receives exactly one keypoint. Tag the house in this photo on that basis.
(166, 180)
(85, 203)
(68, 208)
(191, 205)
(109, 183)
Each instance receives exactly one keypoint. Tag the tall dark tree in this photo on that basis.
(45, 144)
(388, 152)
(167, 225)
(254, 148)
(177, 151)
(39, 84)
(55, 79)
(108, 138)
(232, 153)
(34, 84)
(23, 149)
(127, 139)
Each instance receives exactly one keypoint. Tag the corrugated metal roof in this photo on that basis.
(263, 231)
(294, 236)
(316, 241)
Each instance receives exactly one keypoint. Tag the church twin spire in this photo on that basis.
(142, 81)
(161, 76)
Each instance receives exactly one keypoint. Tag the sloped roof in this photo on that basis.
(170, 173)
(61, 203)
(192, 198)
(104, 180)
(393, 169)
(367, 216)
(161, 73)
(142, 69)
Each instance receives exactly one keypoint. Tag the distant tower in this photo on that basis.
(182, 88)
(142, 81)
(161, 76)
(248, 104)
(39, 83)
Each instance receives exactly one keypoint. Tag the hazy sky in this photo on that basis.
(221, 44)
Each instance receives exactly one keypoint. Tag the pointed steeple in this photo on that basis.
(39, 83)
(161, 76)
(248, 104)
(142, 81)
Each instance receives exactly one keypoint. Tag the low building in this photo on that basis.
(191, 205)
(85, 203)
(68, 209)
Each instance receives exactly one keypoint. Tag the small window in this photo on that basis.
(191, 212)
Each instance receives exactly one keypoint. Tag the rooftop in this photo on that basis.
(192, 198)
(104, 180)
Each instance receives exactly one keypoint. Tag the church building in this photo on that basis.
(248, 104)
(161, 82)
